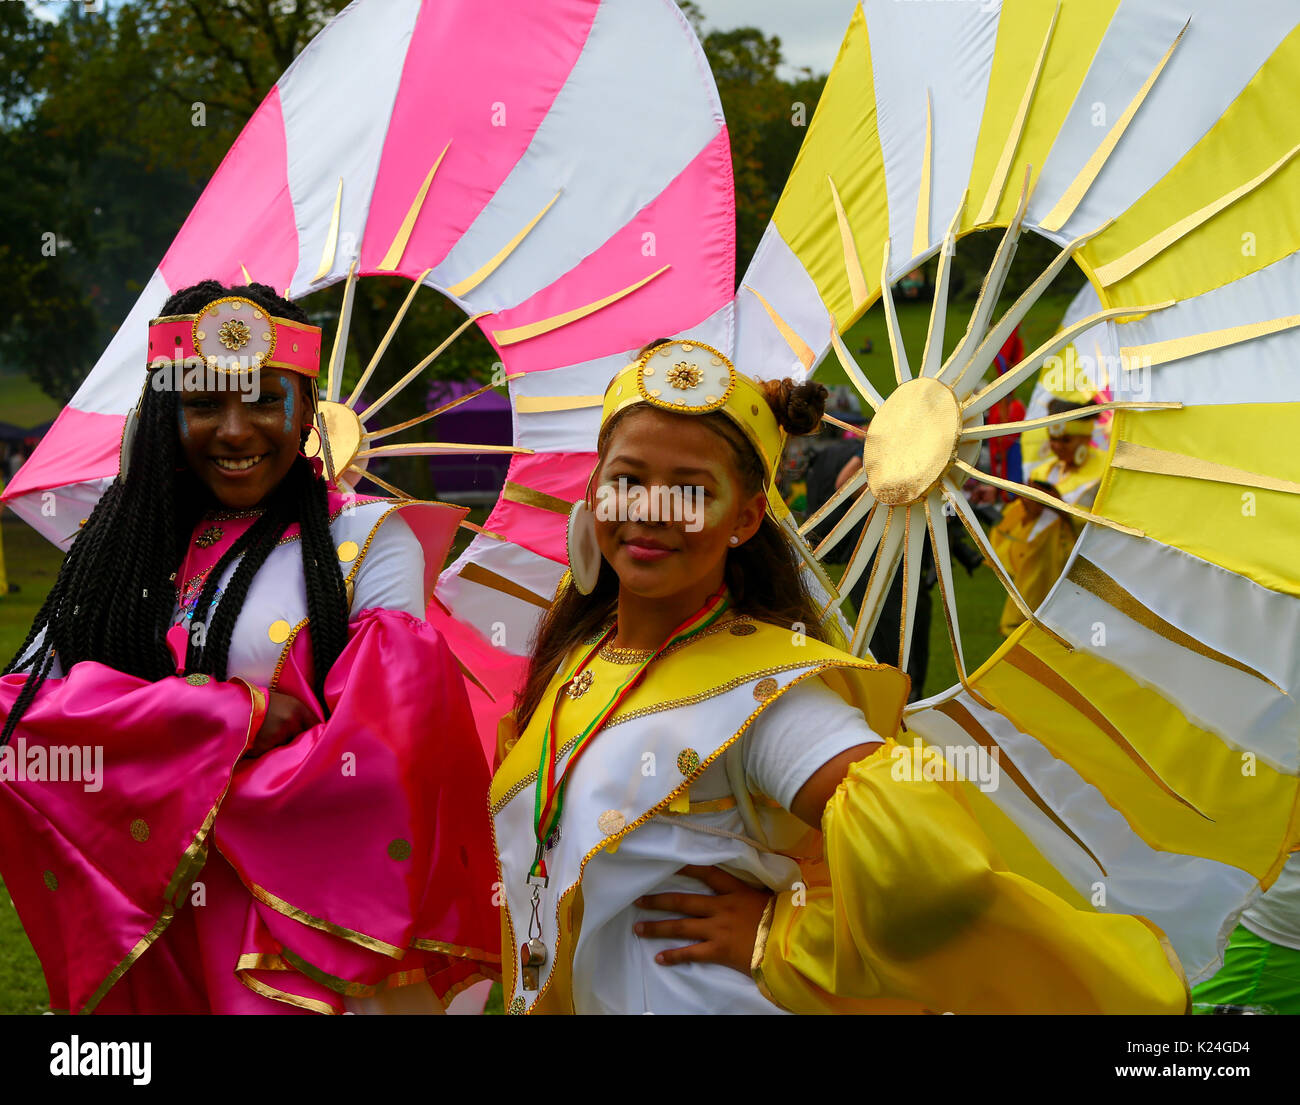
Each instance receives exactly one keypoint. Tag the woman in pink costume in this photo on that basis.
(289, 813)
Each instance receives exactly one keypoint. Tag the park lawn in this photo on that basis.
(23, 403)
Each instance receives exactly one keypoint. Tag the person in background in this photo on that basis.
(1033, 541)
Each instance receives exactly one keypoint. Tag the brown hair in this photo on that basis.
(764, 574)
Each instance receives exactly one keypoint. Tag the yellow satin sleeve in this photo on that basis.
(918, 913)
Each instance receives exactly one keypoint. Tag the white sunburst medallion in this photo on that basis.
(924, 438)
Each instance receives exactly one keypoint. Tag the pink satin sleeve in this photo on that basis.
(365, 841)
(96, 866)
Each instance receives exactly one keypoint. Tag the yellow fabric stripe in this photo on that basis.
(1142, 458)
(1250, 531)
(1022, 28)
(1252, 813)
(842, 142)
(544, 404)
(1254, 134)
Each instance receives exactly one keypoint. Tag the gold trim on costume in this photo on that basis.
(1175, 349)
(545, 404)
(1020, 657)
(370, 943)
(852, 262)
(998, 182)
(485, 577)
(1162, 462)
(760, 949)
(393, 257)
(1138, 256)
(1059, 214)
(800, 348)
(957, 712)
(331, 238)
(471, 282)
(1086, 575)
(546, 325)
(659, 808)
(197, 848)
(530, 496)
(921, 228)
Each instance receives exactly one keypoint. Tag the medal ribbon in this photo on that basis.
(548, 803)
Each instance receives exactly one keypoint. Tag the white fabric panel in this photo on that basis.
(346, 78)
(113, 386)
(1262, 370)
(1215, 606)
(392, 575)
(779, 276)
(1131, 48)
(61, 520)
(1220, 52)
(482, 607)
(571, 431)
(1187, 896)
(638, 106)
(950, 48)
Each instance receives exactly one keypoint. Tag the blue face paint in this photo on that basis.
(180, 417)
(289, 392)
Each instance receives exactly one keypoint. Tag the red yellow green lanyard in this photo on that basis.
(548, 803)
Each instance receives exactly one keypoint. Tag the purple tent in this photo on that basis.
(470, 477)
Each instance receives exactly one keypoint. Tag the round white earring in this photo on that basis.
(584, 552)
(1080, 455)
(735, 540)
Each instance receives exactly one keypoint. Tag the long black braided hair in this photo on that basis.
(114, 596)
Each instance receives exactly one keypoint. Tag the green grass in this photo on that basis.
(22, 403)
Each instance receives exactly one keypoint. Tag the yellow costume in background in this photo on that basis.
(1034, 550)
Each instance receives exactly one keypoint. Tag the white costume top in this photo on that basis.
(614, 970)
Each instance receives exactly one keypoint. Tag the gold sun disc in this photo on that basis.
(345, 434)
(911, 441)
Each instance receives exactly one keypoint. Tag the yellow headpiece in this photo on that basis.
(688, 377)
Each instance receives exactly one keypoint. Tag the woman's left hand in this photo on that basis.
(723, 924)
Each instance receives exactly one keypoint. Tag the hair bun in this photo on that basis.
(798, 407)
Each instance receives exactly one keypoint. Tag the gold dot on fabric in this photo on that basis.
(295, 347)
(51, 883)
(278, 631)
(140, 830)
(753, 408)
(649, 371)
(257, 314)
(610, 822)
(687, 346)
(764, 689)
(687, 760)
(399, 849)
(236, 306)
(715, 360)
(198, 679)
(200, 334)
(348, 551)
(654, 392)
(742, 629)
(266, 335)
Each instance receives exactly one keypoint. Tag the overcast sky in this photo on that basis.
(810, 30)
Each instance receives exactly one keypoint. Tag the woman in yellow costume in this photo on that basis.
(704, 810)
(1034, 541)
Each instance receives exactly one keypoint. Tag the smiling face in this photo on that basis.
(654, 450)
(242, 449)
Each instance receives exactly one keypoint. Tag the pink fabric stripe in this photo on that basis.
(245, 215)
(79, 446)
(694, 226)
(454, 80)
(297, 347)
(544, 532)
